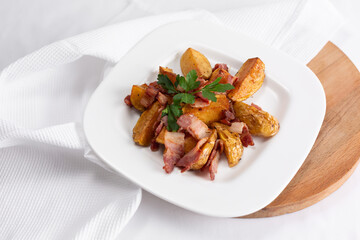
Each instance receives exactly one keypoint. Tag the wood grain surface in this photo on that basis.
(336, 151)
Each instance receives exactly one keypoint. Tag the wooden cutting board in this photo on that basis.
(336, 151)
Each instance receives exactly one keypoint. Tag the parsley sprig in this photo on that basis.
(189, 84)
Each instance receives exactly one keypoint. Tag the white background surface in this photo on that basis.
(28, 25)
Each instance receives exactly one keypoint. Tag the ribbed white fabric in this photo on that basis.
(49, 190)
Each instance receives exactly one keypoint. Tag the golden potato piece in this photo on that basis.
(251, 76)
(205, 151)
(258, 121)
(161, 137)
(168, 72)
(137, 92)
(143, 131)
(211, 113)
(233, 147)
(190, 142)
(192, 59)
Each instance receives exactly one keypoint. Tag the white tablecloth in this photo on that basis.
(28, 25)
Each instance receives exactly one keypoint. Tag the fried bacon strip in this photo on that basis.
(221, 66)
(197, 128)
(246, 138)
(191, 157)
(127, 101)
(200, 103)
(149, 96)
(174, 149)
(162, 98)
(214, 158)
(243, 130)
(229, 116)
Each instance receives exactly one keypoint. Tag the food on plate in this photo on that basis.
(137, 92)
(189, 144)
(250, 78)
(143, 131)
(205, 151)
(200, 115)
(257, 120)
(233, 147)
(224, 75)
(213, 112)
(194, 60)
(168, 72)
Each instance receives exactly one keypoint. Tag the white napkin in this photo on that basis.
(49, 190)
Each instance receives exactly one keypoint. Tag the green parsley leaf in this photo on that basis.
(176, 110)
(165, 111)
(218, 87)
(184, 97)
(182, 82)
(165, 82)
(172, 125)
(209, 95)
(177, 80)
(191, 78)
(187, 83)
(222, 87)
(172, 111)
(214, 83)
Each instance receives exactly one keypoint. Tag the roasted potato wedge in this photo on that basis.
(211, 113)
(143, 131)
(168, 72)
(233, 147)
(161, 137)
(137, 92)
(258, 121)
(223, 74)
(251, 76)
(205, 151)
(190, 142)
(192, 59)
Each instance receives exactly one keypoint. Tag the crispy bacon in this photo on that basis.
(200, 103)
(191, 157)
(162, 98)
(158, 126)
(237, 127)
(203, 83)
(245, 137)
(214, 158)
(157, 86)
(225, 121)
(225, 76)
(228, 117)
(162, 123)
(243, 130)
(256, 106)
(197, 128)
(127, 101)
(149, 96)
(154, 145)
(174, 149)
(221, 66)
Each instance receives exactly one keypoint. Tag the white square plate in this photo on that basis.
(291, 92)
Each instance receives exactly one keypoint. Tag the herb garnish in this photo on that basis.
(189, 84)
